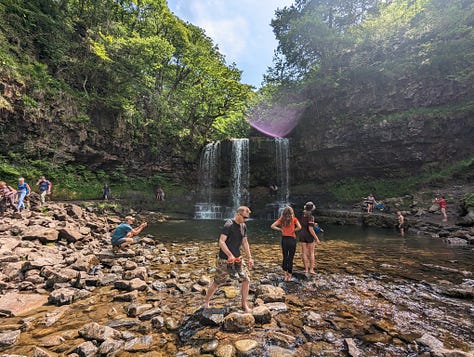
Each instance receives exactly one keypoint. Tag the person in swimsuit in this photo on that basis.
(308, 237)
(288, 225)
(442, 207)
(401, 222)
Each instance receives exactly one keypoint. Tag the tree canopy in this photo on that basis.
(122, 65)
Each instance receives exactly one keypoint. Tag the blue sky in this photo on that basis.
(241, 29)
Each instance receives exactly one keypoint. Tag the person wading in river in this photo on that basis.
(288, 225)
(308, 238)
(229, 262)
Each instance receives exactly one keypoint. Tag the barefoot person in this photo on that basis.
(401, 222)
(308, 238)
(123, 234)
(442, 207)
(229, 261)
(288, 225)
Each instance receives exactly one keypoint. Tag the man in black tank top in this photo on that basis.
(233, 237)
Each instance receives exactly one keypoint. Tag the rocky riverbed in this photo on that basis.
(65, 293)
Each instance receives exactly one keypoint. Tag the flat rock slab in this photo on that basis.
(16, 304)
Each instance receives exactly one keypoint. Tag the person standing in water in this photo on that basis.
(308, 238)
(288, 225)
(233, 236)
(442, 207)
(401, 222)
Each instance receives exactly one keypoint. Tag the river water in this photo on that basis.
(372, 285)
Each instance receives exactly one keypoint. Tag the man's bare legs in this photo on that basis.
(213, 288)
(210, 293)
(245, 294)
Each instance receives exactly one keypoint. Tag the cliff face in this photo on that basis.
(384, 128)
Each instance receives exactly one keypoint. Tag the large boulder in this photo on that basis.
(237, 322)
(270, 293)
(94, 331)
(44, 235)
(74, 211)
(66, 296)
(70, 233)
(15, 304)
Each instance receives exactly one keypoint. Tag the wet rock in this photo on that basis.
(128, 297)
(86, 349)
(276, 351)
(270, 293)
(282, 339)
(130, 285)
(51, 341)
(209, 347)
(204, 280)
(456, 241)
(313, 319)
(14, 303)
(148, 315)
(171, 324)
(139, 344)
(237, 322)
(430, 341)
(352, 349)
(212, 316)
(230, 292)
(244, 347)
(262, 314)
(158, 322)
(158, 286)
(311, 333)
(52, 317)
(39, 352)
(65, 296)
(94, 331)
(9, 338)
(140, 273)
(110, 347)
(44, 235)
(376, 338)
(135, 309)
(277, 307)
(226, 350)
(198, 288)
(122, 323)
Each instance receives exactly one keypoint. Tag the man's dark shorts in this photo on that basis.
(221, 275)
(119, 242)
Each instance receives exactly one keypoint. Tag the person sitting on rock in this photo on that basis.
(124, 232)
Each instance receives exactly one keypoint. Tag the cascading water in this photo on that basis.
(282, 151)
(208, 168)
(240, 172)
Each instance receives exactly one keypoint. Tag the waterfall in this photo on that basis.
(240, 172)
(282, 151)
(207, 208)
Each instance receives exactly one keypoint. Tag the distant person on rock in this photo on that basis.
(160, 194)
(442, 206)
(7, 195)
(273, 190)
(23, 192)
(229, 262)
(123, 234)
(44, 188)
(106, 192)
(401, 223)
(370, 202)
(317, 228)
(308, 237)
(288, 225)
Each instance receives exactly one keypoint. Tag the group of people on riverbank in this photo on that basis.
(18, 199)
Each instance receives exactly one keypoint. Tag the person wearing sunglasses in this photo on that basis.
(229, 262)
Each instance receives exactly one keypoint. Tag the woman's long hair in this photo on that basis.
(287, 216)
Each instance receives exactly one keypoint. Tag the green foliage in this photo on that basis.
(354, 189)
